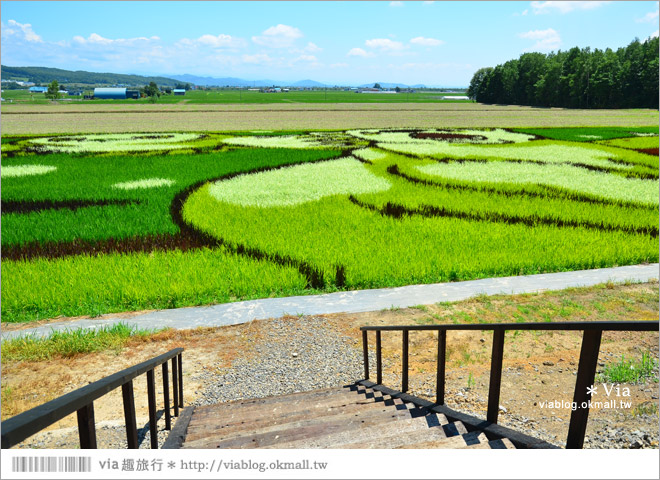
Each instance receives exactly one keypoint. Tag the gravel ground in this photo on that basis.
(294, 356)
(111, 435)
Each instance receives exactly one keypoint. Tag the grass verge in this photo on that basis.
(70, 343)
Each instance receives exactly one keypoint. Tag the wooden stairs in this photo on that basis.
(361, 415)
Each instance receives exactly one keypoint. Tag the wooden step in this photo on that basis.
(458, 441)
(339, 417)
(503, 443)
(384, 435)
(237, 420)
(396, 438)
(310, 428)
(291, 402)
(221, 416)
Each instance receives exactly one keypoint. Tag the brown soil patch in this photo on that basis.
(446, 136)
(649, 151)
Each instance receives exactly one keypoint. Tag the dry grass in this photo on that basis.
(41, 119)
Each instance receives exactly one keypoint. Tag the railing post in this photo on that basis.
(495, 375)
(440, 378)
(365, 354)
(181, 380)
(151, 395)
(166, 395)
(175, 386)
(86, 427)
(379, 360)
(129, 414)
(404, 362)
(585, 380)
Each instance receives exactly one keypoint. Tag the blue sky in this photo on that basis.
(346, 43)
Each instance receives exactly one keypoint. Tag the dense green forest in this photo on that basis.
(44, 75)
(625, 78)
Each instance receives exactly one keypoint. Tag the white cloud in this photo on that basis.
(95, 39)
(426, 42)
(396, 4)
(21, 30)
(279, 36)
(546, 40)
(384, 44)
(220, 41)
(358, 52)
(564, 7)
(654, 34)
(257, 59)
(338, 65)
(306, 58)
(312, 47)
(651, 17)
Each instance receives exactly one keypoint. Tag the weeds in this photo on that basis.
(645, 408)
(631, 371)
(470, 382)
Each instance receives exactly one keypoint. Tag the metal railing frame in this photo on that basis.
(592, 334)
(81, 401)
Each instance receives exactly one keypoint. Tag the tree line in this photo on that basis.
(576, 78)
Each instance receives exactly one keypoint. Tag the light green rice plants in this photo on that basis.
(565, 176)
(298, 184)
(11, 171)
(114, 142)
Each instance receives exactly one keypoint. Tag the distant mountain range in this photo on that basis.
(240, 82)
(46, 75)
(391, 85)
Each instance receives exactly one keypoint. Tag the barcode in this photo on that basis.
(51, 464)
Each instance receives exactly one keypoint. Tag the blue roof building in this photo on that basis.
(110, 93)
(38, 89)
(179, 91)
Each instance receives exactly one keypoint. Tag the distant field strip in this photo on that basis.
(93, 224)
(44, 119)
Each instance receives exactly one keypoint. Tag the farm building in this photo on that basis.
(38, 89)
(179, 91)
(375, 90)
(455, 97)
(110, 93)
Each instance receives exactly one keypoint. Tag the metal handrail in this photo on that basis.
(592, 333)
(81, 401)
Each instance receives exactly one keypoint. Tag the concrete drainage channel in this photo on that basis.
(354, 301)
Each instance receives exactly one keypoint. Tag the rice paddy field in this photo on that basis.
(245, 96)
(107, 222)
